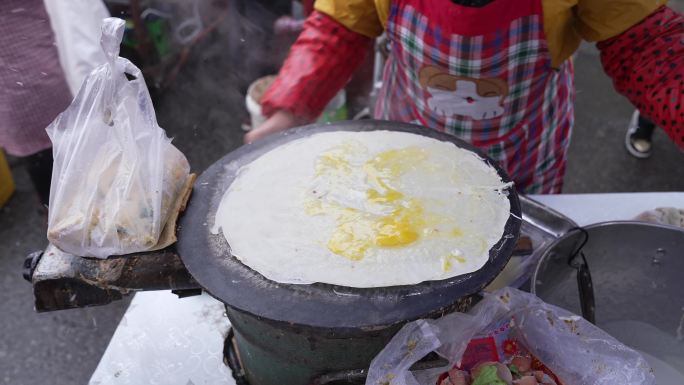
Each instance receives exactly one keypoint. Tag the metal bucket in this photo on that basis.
(637, 272)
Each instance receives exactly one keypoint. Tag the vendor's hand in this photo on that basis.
(280, 121)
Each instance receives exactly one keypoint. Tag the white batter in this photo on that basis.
(364, 209)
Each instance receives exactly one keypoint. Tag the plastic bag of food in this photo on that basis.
(663, 215)
(510, 337)
(117, 179)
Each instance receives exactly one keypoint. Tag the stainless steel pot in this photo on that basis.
(638, 287)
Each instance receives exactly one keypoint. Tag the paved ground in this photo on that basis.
(598, 161)
(203, 112)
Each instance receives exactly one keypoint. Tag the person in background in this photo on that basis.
(34, 88)
(639, 138)
(497, 73)
(76, 25)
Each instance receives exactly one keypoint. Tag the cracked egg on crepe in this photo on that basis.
(364, 209)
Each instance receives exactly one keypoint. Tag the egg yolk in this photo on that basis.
(447, 263)
(357, 231)
(333, 160)
(392, 164)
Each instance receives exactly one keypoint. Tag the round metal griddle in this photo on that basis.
(207, 256)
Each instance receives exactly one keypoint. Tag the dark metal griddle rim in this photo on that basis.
(320, 305)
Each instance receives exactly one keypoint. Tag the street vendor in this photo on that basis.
(496, 73)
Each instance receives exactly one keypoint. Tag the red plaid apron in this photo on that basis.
(484, 75)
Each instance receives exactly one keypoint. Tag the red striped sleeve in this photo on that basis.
(320, 63)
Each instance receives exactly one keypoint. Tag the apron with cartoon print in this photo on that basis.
(483, 74)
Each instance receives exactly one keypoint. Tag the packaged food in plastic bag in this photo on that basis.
(663, 215)
(117, 179)
(510, 337)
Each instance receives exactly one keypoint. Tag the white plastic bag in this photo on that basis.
(116, 178)
(569, 347)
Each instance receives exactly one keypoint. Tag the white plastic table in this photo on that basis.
(169, 341)
(164, 340)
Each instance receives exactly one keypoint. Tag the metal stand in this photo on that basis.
(64, 281)
(231, 358)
